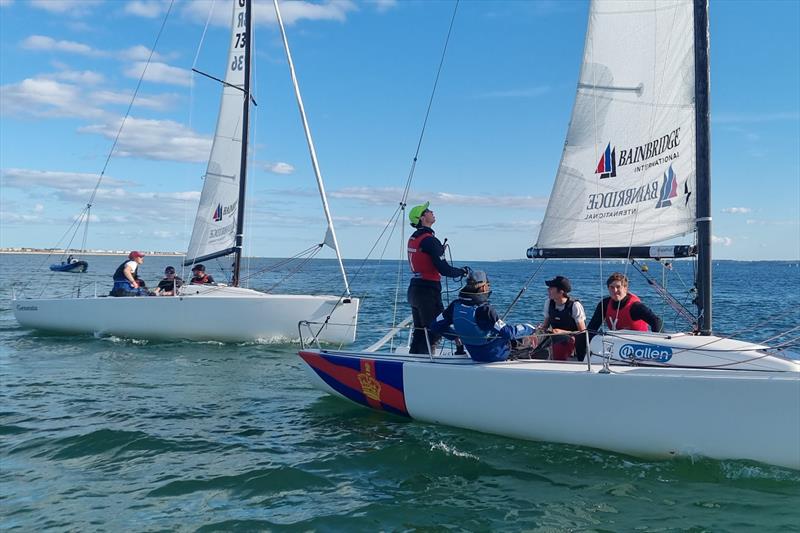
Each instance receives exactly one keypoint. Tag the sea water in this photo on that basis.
(111, 434)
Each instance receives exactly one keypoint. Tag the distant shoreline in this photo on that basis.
(121, 253)
(89, 252)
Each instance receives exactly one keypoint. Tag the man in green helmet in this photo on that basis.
(428, 265)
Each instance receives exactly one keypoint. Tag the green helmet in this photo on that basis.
(416, 212)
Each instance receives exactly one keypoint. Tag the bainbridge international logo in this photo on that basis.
(217, 213)
(669, 189)
(607, 166)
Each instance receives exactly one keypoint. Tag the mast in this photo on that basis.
(330, 236)
(703, 166)
(237, 257)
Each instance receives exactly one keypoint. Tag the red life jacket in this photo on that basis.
(421, 263)
(621, 319)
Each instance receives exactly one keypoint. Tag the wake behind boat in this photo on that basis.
(635, 171)
(233, 313)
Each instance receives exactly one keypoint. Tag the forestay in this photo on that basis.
(627, 172)
(214, 231)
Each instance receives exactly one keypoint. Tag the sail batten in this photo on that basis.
(627, 171)
(214, 231)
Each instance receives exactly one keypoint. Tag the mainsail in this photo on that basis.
(214, 232)
(627, 172)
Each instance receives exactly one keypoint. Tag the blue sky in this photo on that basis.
(490, 153)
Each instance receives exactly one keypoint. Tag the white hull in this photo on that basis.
(226, 314)
(643, 411)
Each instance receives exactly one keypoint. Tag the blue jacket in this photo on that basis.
(485, 336)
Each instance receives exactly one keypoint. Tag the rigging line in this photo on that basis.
(295, 270)
(203, 36)
(282, 262)
(781, 334)
(130, 104)
(523, 289)
(346, 292)
(666, 296)
(430, 105)
(46, 258)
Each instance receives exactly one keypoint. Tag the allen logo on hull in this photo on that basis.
(645, 352)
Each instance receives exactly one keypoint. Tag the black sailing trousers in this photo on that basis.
(426, 305)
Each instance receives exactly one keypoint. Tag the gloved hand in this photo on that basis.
(466, 271)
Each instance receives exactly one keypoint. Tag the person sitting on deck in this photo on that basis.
(170, 284)
(475, 321)
(199, 276)
(623, 309)
(562, 316)
(126, 277)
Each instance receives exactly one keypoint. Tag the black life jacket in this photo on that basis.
(119, 274)
(562, 319)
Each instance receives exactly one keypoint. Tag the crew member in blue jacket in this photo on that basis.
(472, 318)
(428, 265)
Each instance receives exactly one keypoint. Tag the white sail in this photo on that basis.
(214, 230)
(627, 173)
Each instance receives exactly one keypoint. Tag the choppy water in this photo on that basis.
(112, 434)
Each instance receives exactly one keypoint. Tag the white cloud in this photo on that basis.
(82, 77)
(358, 222)
(158, 72)
(737, 210)
(758, 222)
(291, 12)
(45, 98)
(146, 8)
(74, 8)
(158, 102)
(8, 217)
(739, 118)
(163, 234)
(154, 139)
(722, 241)
(5, 2)
(392, 195)
(139, 53)
(525, 226)
(38, 208)
(383, 5)
(279, 168)
(27, 179)
(42, 42)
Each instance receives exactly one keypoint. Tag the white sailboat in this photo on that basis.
(634, 171)
(239, 314)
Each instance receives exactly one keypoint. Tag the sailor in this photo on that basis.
(485, 336)
(126, 277)
(199, 276)
(623, 309)
(562, 316)
(169, 285)
(428, 265)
